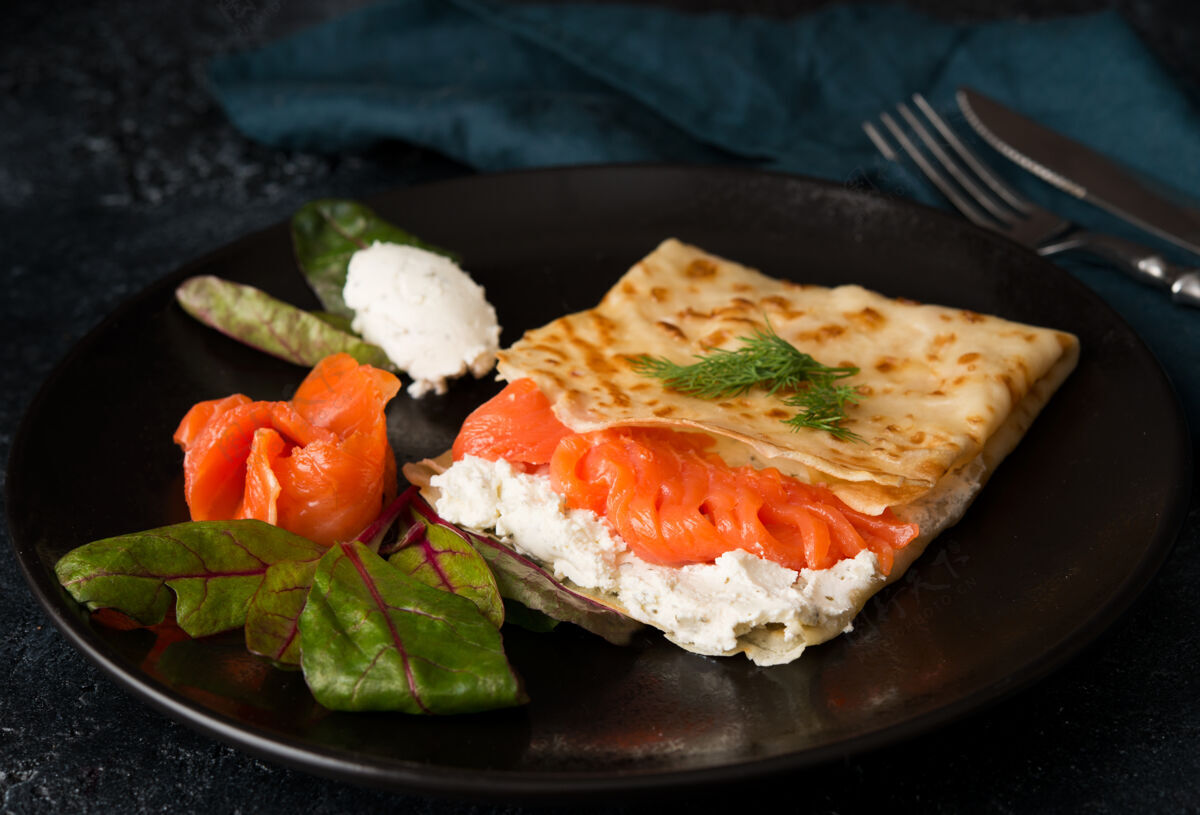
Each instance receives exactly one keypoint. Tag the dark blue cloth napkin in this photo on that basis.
(498, 86)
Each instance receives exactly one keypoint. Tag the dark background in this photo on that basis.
(116, 168)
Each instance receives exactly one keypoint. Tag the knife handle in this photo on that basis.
(1141, 262)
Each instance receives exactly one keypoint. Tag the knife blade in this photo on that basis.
(1079, 170)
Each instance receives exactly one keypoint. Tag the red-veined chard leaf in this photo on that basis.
(256, 318)
(325, 233)
(520, 579)
(214, 569)
(273, 616)
(444, 558)
(373, 638)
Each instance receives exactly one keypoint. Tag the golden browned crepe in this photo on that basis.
(946, 393)
(937, 382)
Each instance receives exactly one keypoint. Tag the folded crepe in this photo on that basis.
(945, 395)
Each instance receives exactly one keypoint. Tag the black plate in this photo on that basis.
(1066, 534)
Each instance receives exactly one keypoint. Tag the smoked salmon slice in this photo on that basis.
(318, 465)
(672, 499)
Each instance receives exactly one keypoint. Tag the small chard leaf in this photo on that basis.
(373, 638)
(213, 567)
(327, 232)
(339, 321)
(445, 559)
(256, 318)
(520, 579)
(273, 616)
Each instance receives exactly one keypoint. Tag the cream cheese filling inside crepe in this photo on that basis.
(936, 382)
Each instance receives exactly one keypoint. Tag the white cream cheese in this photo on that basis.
(426, 313)
(705, 607)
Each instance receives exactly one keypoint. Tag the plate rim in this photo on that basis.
(410, 776)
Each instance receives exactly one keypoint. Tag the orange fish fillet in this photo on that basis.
(319, 465)
(669, 497)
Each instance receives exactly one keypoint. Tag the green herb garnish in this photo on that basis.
(764, 360)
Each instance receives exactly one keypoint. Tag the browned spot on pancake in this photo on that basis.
(958, 380)
(868, 319)
(641, 386)
(700, 268)
(975, 420)
(917, 438)
(944, 318)
(1030, 337)
(965, 358)
(743, 302)
(597, 361)
(629, 289)
(698, 315)
(715, 338)
(885, 365)
(616, 394)
(664, 411)
(605, 327)
(659, 293)
(865, 390)
(742, 287)
(778, 413)
(938, 392)
(971, 316)
(673, 330)
(944, 339)
(893, 428)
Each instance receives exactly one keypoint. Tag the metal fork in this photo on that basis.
(980, 195)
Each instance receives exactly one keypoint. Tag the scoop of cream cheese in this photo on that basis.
(425, 312)
(705, 607)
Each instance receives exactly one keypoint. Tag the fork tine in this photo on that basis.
(947, 187)
(963, 177)
(1007, 193)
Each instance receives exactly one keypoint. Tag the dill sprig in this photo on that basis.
(768, 361)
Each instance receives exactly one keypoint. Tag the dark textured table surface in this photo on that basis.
(115, 168)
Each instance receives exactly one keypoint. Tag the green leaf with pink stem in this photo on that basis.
(273, 617)
(259, 320)
(373, 638)
(213, 569)
(445, 559)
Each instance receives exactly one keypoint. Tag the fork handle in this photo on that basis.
(1141, 262)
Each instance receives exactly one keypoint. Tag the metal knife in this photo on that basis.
(1084, 173)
